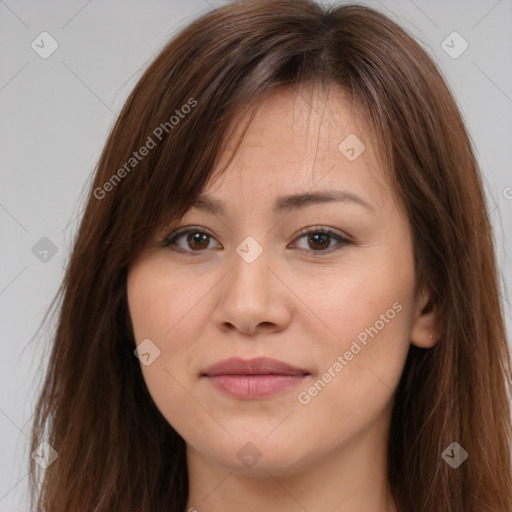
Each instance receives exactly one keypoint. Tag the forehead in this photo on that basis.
(297, 141)
(305, 119)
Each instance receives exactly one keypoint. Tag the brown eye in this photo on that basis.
(196, 240)
(319, 240)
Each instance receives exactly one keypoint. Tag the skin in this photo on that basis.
(301, 301)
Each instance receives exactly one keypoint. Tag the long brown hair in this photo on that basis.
(115, 450)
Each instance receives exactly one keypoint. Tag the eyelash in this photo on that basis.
(173, 237)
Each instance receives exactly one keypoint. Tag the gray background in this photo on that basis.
(56, 113)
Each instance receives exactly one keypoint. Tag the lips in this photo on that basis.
(253, 378)
(256, 366)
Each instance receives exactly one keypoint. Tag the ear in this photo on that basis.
(426, 326)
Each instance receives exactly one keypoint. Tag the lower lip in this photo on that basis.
(254, 386)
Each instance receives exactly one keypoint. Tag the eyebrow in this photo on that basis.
(289, 202)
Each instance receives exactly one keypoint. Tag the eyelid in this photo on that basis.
(342, 239)
(323, 229)
(169, 240)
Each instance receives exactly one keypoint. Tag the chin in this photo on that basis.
(257, 456)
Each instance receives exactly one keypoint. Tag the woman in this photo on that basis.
(283, 293)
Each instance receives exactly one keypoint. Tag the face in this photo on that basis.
(325, 286)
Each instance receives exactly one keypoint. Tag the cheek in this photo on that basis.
(368, 312)
(359, 370)
(161, 303)
(367, 301)
(166, 309)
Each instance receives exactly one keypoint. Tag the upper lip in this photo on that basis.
(256, 366)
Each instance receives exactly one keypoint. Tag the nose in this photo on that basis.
(251, 299)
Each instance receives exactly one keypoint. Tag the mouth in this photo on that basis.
(253, 378)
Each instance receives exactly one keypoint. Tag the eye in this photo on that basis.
(319, 239)
(198, 239)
